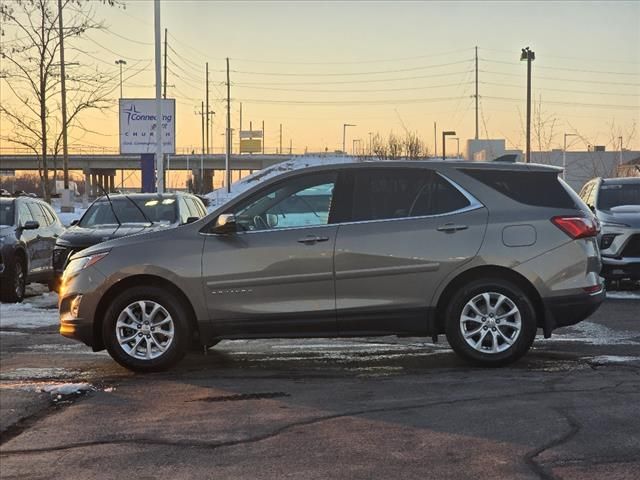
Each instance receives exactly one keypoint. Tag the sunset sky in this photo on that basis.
(384, 66)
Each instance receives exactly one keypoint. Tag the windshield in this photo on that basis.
(6, 212)
(158, 210)
(616, 195)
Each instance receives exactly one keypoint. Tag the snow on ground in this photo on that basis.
(592, 333)
(34, 312)
(624, 295)
(220, 196)
(602, 359)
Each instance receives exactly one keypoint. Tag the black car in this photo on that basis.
(28, 231)
(121, 215)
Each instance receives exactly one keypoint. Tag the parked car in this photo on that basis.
(28, 231)
(122, 215)
(484, 253)
(616, 204)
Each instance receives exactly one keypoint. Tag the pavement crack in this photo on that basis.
(316, 420)
(531, 457)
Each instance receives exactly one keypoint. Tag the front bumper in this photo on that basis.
(81, 326)
(620, 268)
(571, 309)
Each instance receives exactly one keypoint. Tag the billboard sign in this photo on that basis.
(246, 134)
(138, 125)
(251, 146)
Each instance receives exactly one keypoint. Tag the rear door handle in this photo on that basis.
(450, 227)
(311, 239)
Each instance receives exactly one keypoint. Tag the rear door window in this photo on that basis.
(388, 193)
(38, 214)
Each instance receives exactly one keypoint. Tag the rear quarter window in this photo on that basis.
(539, 189)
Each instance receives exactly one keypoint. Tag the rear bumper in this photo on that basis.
(569, 310)
(619, 268)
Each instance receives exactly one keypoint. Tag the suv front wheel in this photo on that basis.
(491, 322)
(146, 329)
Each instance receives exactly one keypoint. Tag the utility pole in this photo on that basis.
(227, 180)
(620, 161)
(63, 91)
(121, 63)
(207, 101)
(159, 156)
(164, 94)
(290, 146)
(280, 150)
(240, 117)
(435, 140)
(263, 137)
(529, 56)
(476, 93)
(344, 136)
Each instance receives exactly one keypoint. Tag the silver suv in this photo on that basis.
(484, 253)
(616, 203)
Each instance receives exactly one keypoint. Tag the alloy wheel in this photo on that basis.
(490, 322)
(145, 330)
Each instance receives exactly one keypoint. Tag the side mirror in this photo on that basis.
(226, 223)
(74, 222)
(31, 225)
(191, 220)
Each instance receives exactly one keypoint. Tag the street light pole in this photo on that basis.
(158, 133)
(620, 161)
(444, 137)
(564, 154)
(121, 63)
(529, 56)
(344, 136)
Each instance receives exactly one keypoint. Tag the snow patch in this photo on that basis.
(632, 295)
(592, 333)
(66, 388)
(37, 373)
(602, 359)
(27, 315)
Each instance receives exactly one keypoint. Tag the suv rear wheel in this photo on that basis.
(146, 329)
(491, 322)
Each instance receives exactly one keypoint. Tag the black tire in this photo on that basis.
(13, 285)
(482, 355)
(181, 330)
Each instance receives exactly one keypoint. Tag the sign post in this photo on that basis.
(139, 131)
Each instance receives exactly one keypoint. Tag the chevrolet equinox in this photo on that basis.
(485, 253)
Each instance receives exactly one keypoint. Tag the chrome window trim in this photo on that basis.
(474, 204)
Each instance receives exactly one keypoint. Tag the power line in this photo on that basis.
(349, 102)
(352, 90)
(576, 104)
(352, 62)
(571, 80)
(564, 90)
(563, 68)
(346, 82)
(335, 74)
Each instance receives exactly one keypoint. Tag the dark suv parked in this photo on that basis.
(121, 215)
(28, 231)
(486, 253)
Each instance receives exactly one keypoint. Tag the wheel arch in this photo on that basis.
(487, 271)
(135, 281)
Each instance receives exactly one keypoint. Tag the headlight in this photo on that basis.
(81, 263)
(615, 225)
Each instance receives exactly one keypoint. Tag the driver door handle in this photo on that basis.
(311, 239)
(450, 227)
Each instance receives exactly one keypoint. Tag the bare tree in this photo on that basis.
(30, 62)
(411, 147)
(544, 130)
(396, 146)
(415, 147)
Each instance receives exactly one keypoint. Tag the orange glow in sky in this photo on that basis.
(383, 66)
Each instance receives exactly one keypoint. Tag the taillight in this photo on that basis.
(576, 227)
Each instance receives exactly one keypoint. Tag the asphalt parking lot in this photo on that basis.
(351, 408)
